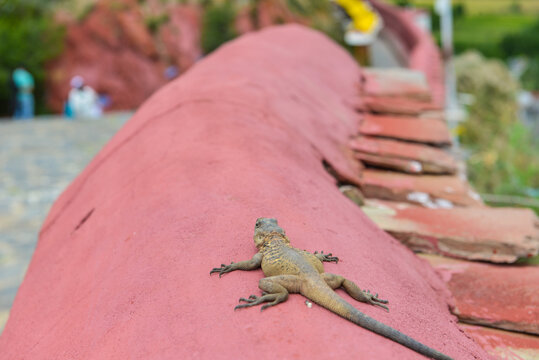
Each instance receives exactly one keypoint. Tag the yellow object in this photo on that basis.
(363, 17)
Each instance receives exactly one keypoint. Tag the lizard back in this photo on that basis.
(280, 258)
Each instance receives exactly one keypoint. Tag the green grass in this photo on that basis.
(528, 261)
(487, 6)
(482, 24)
(485, 32)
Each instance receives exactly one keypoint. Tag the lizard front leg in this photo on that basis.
(326, 257)
(337, 281)
(252, 264)
(275, 290)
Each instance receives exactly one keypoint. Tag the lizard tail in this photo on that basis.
(320, 293)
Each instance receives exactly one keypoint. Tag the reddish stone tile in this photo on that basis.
(500, 296)
(476, 233)
(426, 159)
(397, 82)
(402, 165)
(425, 130)
(504, 345)
(397, 105)
(426, 190)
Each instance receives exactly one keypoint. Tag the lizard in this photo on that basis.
(291, 270)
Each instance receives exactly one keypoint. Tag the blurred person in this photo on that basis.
(24, 101)
(83, 101)
(104, 100)
(171, 72)
(12, 95)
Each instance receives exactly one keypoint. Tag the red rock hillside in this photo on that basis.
(122, 48)
(117, 53)
(121, 270)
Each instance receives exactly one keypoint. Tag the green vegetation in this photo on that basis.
(118, 5)
(503, 156)
(85, 10)
(154, 22)
(485, 33)
(219, 17)
(320, 13)
(29, 37)
(528, 261)
(217, 25)
(525, 43)
(475, 7)
(483, 25)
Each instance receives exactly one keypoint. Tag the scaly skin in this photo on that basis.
(290, 270)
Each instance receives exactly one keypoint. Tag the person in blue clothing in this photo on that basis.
(24, 84)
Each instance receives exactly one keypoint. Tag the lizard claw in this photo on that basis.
(222, 270)
(373, 299)
(382, 306)
(381, 301)
(253, 300)
(327, 257)
(249, 300)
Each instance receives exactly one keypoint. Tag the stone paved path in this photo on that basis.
(38, 159)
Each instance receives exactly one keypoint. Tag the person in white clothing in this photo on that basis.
(83, 101)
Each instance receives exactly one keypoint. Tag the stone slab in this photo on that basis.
(121, 269)
(504, 345)
(397, 105)
(427, 159)
(475, 233)
(500, 296)
(416, 129)
(426, 190)
(395, 82)
(398, 164)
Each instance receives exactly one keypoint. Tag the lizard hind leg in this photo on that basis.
(337, 281)
(275, 290)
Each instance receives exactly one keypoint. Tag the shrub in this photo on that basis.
(29, 37)
(525, 42)
(503, 157)
(217, 26)
(154, 22)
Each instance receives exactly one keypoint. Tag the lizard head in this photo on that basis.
(264, 227)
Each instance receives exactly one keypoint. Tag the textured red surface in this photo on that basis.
(424, 130)
(394, 163)
(398, 105)
(431, 159)
(394, 186)
(504, 345)
(500, 296)
(122, 265)
(478, 233)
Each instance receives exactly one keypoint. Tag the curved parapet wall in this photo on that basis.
(121, 270)
(422, 52)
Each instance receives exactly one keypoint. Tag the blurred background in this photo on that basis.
(73, 71)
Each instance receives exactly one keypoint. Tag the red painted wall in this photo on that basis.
(121, 270)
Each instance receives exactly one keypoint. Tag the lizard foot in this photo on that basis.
(373, 299)
(326, 257)
(253, 300)
(223, 269)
